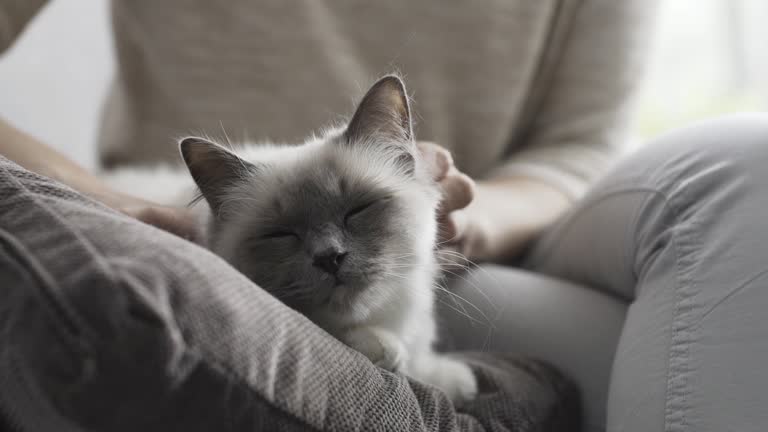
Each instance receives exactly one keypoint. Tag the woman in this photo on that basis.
(531, 98)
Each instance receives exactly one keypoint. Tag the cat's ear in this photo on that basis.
(383, 113)
(214, 169)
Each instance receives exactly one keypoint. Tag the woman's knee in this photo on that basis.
(691, 182)
(709, 177)
(705, 155)
(706, 181)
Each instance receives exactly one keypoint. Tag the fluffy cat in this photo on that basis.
(341, 228)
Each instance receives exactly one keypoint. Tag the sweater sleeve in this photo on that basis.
(578, 114)
(14, 16)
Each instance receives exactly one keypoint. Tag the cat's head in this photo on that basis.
(340, 225)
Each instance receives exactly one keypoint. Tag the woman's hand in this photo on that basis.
(458, 191)
(507, 214)
(492, 220)
(176, 220)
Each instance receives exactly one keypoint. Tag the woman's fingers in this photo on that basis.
(437, 159)
(458, 191)
(174, 220)
(457, 188)
(452, 227)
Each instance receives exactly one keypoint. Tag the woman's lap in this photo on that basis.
(679, 232)
(572, 327)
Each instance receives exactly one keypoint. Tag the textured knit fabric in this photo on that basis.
(513, 87)
(108, 324)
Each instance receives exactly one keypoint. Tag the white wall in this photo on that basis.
(710, 57)
(53, 80)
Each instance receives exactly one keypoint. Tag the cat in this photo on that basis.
(341, 228)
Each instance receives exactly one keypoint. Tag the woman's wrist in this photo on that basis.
(507, 214)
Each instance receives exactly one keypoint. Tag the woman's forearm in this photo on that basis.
(36, 156)
(507, 214)
(42, 159)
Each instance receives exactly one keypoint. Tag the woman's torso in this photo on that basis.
(277, 70)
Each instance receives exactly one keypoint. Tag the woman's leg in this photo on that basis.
(570, 326)
(680, 230)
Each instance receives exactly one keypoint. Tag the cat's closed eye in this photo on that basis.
(280, 234)
(362, 208)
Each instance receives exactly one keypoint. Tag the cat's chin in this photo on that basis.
(343, 306)
(342, 298)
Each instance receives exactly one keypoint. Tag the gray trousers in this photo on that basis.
(652, 293)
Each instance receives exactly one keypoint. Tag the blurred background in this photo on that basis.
(709, 57)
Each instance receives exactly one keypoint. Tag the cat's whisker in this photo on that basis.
(476, 267)
(437, 287)
(474, 286)
(422, 265)
(454, 295)
(469, 262)
(443, 242)
(462, 313)
(461, 310)
(399, 276)
(491, 326)
(404, 255)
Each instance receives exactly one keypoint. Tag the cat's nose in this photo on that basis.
(329, 260)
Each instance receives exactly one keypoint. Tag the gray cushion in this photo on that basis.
(112, 325)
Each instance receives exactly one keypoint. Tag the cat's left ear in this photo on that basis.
(214, 169)
(383, 113)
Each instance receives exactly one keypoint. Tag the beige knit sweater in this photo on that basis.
(533, 87)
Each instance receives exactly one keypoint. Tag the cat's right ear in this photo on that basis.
(383, 112)
(214, 169)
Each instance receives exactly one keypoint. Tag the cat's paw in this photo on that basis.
(453, 377)
(382, 347)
